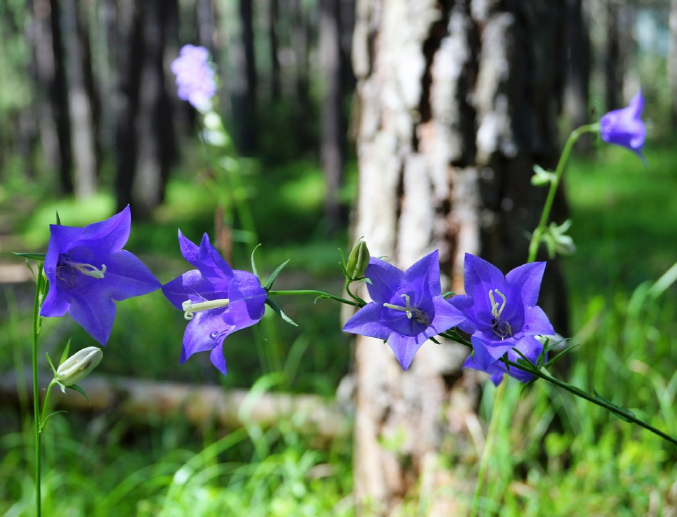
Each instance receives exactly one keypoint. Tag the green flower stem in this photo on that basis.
(486, 453)
(544, 374)
(39, 287)
(561, 166)
(319, 294)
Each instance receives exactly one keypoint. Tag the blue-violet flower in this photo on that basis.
(501, 310)
(216, 299)
(624, 127)
(481, 360)
(88, 271)
(195, 77)
(407, 307)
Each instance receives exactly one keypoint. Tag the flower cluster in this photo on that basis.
(195, 77)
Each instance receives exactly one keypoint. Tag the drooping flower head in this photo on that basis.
(501, 310)
(88, 271)
(407, 307)
(195, 77)
(215, 298)
(481, 360)
(624, 126)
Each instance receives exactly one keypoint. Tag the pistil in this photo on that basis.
(191, 308)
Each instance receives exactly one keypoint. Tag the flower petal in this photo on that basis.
(112, 234)
(192, 286)
(218, 359)
(204, 332)
(385, 279)
(247, 300)
(55, 304)
(430, 266)
(446, 317)
(537, 323)
(366, 322)
(189, 250)
(95, 313)
(527, 278)
(126, 276)
(404, 348)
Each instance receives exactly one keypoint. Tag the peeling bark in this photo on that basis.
(458, 100)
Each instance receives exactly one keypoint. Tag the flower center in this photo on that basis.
(190, 308)
(417, 315)
(502, 329)
(85, 269)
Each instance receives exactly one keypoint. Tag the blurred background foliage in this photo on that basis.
(89, 119)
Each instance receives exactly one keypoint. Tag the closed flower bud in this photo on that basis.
(78, 366)
(358, 260)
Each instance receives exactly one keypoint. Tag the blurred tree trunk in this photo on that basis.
(458, 100)
(578, 68)
(245, 82)
(613, 66)
(275, 79)
(155, 136)
(300, 46)
(672, 63)
(81, 101)
(129, 52)
(333, 126)
(206, 25)
(50, 77)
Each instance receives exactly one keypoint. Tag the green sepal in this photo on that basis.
(273, 277)
(51, 364)
(434, 340)
(279, 312)
(254, 270)
(64, 356)
(40, 257)
(77, 388)
(448, 294)
(561, 354)
(58, 219)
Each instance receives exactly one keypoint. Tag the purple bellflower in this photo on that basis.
(216, 300)
(500, 310)
(88, 271)
(195, 77)
(481, 360)
(624, 127)
(407, 307)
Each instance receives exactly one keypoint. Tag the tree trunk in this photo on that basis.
(155, 126)
(275, 78)
(612, 65)
(458, 101)
(80, 100)
(206, 25)
(245, 82)
(332, 153)
(672, 60)
(578, 68)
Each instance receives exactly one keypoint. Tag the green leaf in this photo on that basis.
(254, 270)
(279, 312)
(77, 388)
(58, 219)
(40, 257)
(273, 277)
(64, 356)
(561, 354)
(44, 421)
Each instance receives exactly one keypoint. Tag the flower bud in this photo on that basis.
(78, 366)
(358, 260)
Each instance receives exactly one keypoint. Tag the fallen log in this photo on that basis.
(142, 400)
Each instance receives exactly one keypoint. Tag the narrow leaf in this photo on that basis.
(31, 256)
(52, 414)
(561, 354)
(77, 388)
(254, 270)
(64, 356)
(273, 277)
(51, 365)
(279, 312)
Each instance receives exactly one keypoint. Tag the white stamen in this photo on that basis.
(190, 308)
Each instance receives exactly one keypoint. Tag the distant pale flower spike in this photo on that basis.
(195, 77)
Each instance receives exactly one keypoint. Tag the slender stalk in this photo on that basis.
(45, 404)
(39, 283)
(319, 294)
(561, 166)
(491, 435)
(544, 374)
